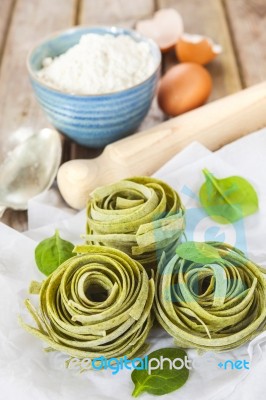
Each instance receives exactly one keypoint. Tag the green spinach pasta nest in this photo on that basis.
(141, 216)
(95, 304)
(215, 305)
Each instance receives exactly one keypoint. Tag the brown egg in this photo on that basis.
(165, 28)
(197, 49)
(184, 87)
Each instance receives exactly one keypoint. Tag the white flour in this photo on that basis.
(99, 64)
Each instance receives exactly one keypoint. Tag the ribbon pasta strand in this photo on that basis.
(140, 216)
(216, 306)
(95, 304)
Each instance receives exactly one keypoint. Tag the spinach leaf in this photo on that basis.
(52, 252)
(198, 252)
(228, 200)
(165, 380)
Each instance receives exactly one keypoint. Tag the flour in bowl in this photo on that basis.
(99, 64)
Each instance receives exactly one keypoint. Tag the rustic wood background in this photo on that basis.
(238, 25)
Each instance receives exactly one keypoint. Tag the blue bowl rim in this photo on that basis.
(108, 29)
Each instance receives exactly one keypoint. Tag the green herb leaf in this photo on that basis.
(161, 381)
(198, 252)
(228, 200)
(52, 252)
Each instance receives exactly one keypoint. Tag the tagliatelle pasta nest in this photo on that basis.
(141, 216)
(95, 304)
(216, 306)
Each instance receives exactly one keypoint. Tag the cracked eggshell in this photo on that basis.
(165, 28)
(196, 48)
(184, 87)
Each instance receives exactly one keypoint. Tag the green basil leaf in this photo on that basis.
(52, 252)
(228, 200)
(161, 381)
(198, 252)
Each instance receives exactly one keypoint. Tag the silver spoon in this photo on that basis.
(29, 169)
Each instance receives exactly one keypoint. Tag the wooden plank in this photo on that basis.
(16, 219)
(208, 18)
(117, 12)
(31, 21)
(247, 20)
(6, 7)
(121, 13)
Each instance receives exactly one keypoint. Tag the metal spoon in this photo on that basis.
(29, 169)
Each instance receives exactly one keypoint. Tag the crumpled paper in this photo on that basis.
(26, 371)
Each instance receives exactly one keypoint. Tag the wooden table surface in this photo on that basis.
(238, 25)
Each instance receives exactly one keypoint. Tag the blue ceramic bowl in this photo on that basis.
(92, 120)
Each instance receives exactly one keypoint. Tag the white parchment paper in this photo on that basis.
(27, 372)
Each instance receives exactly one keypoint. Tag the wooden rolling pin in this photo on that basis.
(213, 125)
